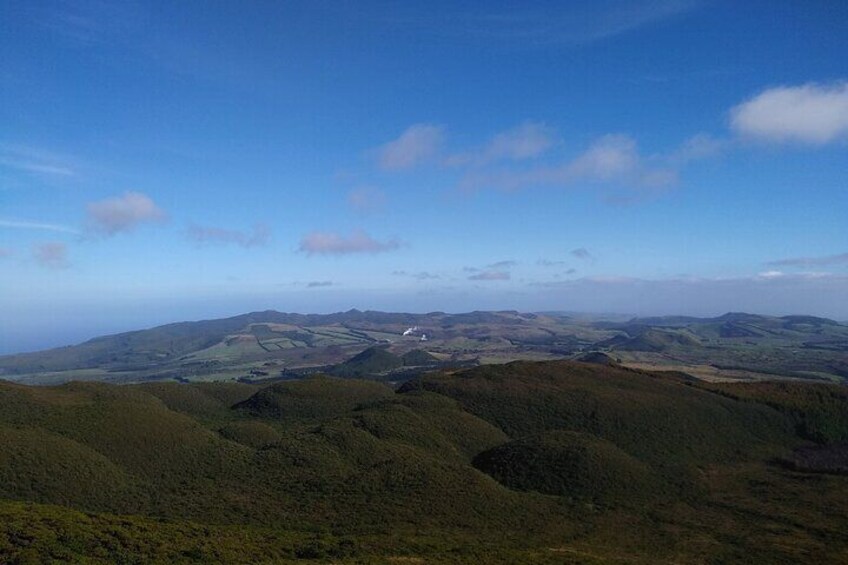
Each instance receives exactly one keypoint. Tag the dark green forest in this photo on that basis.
(546, 462)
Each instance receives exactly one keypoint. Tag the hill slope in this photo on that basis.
(493, 464)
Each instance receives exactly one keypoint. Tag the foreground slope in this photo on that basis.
(524, 462)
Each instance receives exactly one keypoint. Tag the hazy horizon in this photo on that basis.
(72, 327)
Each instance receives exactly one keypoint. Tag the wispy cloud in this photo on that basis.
(502, 265)
(330, 243)
(30, 225)
(549, 263)
(318, 284)
(37, 161)
(529, 139)
(582, 24)
(209, 235)
(770, 274)
(697, 147)
(90, 21)
(367, 199)
(122, 213)
(420, 275)
(838, 259)
(5, 252)
(525, 141)
(497, 271)
(692, 282)
(612, 159)
(418, 144)
(491, 275)
(583, 254)
(811, 113)
(52, 255)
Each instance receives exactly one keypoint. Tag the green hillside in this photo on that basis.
(519, 463)
(737, 345)
(656, 419)
(418, 358)
(650, 339)
(575, 465)
(372, 361)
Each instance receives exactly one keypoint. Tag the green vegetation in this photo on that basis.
(311, 399)
(575, 465)
(819, 411)
(652, 418)
(378, 362)
(520, 463)
(418, 358)
(372, 361)
(799, 347)
(655, 340)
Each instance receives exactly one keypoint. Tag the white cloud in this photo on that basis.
(122, 213)
(329, 243)
(811, 113)
(418, 144)
(52, 255)
(208, 235)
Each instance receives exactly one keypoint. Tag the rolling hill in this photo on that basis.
(525, 462)
(269, 345)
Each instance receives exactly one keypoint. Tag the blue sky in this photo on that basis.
(163, 161)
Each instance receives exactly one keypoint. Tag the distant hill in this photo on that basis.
(372, 361)
(378, 361)
(418, 358)
(730, 317)
(273, 345)
(651, 339)
(247, 342)
(597, 358)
